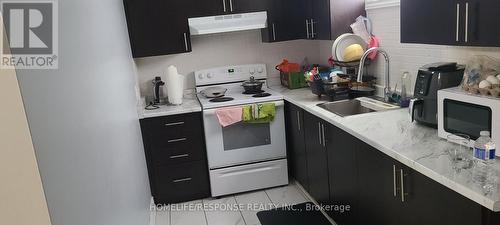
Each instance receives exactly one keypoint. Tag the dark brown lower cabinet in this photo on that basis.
(342, 174)
(317, 162)
(183, 182)
(176, 157)
(296, 148)
(344, 171)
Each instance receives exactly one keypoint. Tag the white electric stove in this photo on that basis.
(243, 156)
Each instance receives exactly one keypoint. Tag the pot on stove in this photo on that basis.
(253, 85)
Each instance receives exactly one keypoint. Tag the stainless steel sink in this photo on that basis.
(357, 106)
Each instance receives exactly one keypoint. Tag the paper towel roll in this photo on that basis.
(175, 86)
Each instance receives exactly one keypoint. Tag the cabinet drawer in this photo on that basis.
(172, 127)
(189, 150)
(181, 183)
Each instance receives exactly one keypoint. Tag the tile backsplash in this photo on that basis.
(217, 50)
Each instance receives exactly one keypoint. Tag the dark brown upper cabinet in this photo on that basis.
(157, 27)
(285, 21)
(450, 22)
(328, 19)
(221, 7)
(313, 19)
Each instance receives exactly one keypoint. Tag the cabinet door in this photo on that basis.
(157, 27)
(428, 202)
(376, 188)
(208, 8)
(317, 164)
(431, 22)
(286, 21)
(342, 171)
(296, 146)
(244, 6)
(482, 23)
(320, 19)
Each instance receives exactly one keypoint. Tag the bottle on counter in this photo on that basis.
(484, 157)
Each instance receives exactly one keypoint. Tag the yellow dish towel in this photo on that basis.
(259, 113)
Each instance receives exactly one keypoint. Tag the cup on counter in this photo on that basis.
(460, 151)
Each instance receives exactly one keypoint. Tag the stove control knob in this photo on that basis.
(201, 76)
(209, 75)
(251, 71)
(260, 70)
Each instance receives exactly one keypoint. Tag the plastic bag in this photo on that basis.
(478, 69)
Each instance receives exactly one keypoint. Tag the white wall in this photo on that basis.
(84, 123)
(215, 50)
(409, 57)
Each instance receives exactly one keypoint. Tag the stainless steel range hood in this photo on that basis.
(227, 23)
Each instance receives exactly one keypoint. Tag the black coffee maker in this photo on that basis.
(430, 79)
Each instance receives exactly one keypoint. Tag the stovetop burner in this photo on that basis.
(253, 92)
(221, 99)
(261, 95)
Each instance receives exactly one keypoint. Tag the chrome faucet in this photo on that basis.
(387, 88)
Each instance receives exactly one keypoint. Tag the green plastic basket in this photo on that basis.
(293, 80)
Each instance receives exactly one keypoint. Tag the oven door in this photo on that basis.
(243, 143)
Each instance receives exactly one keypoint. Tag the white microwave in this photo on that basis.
(462, 113)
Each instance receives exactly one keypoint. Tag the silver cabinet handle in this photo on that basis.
(458, 23)
(173, 124)
(231, 5)
(182, 180)
(274, 32)
(177, 140)
(467, 22)
(319, 133)
(186, 42)
(179, 156)
(323, 135)
(307, 28)
(312, 28)
(394, 180)
(224, 5)
(403, 194)
(298, 120)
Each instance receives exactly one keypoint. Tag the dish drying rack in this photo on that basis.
(337, 90)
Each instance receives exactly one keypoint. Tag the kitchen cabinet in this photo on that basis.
(207, 8)
(296, 149)
(342, 174)
(319, 19)
(377, 190)
(430, 22)
(285, 21)
(244, 6)
(317, 162)
(407, 196)
(176, 157)
(483, 22)
(342, 170)
(221, 7)
(157, 27)
(447, 22)
(328, 19)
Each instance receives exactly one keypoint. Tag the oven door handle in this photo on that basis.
(212, 111)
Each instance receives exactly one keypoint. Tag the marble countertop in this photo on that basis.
(189, 104)
(414, 145)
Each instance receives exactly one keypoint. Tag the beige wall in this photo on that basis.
(22, 200)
